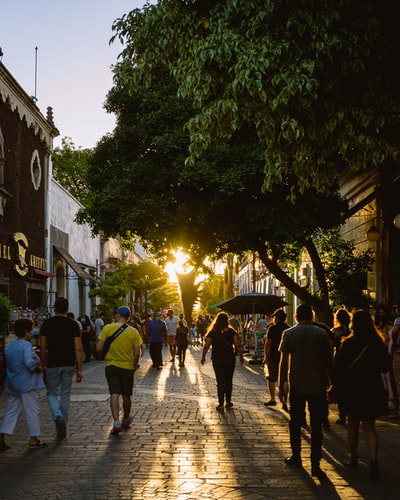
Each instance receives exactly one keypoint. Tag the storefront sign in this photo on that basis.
(22, 261)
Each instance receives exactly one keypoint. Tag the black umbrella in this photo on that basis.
(252, 303)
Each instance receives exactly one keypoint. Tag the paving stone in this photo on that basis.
(180, 448)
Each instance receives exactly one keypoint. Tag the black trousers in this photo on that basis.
(181, 348)
(86, 345)
(155, 350)
(316, 408)
(224, 370)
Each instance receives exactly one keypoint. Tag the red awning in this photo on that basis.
(44, 274)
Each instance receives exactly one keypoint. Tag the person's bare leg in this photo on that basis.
(126, 404)
(271, 387)
(114, 405)
(371, 438)
(352, 435)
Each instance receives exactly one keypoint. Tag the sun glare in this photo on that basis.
(180, 265)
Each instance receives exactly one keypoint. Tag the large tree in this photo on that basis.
(140, 184)
(317, 79)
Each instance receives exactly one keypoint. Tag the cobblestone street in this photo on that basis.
(180, 447)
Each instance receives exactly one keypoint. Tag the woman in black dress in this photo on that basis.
(224, 340)
(182, 342)
(359, 365)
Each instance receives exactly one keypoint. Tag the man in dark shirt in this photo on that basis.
(272, 354)
(60, 337)
(157, 333)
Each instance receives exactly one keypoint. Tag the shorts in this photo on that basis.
(171, 340)
(120, 380)
(273, 368)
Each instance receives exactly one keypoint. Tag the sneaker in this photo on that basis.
(61, 427)
(116, 428)
(270, 403)
(126, 422)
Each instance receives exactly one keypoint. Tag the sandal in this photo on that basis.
(37, 445)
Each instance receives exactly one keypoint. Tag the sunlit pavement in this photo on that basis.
(180, 447)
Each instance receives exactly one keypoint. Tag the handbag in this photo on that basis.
(109, 340)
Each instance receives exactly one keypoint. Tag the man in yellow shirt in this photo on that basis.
(121, 358)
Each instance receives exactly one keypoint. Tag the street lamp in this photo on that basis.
(396, 221)
(373, 234)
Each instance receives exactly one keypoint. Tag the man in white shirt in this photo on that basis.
(99, 325)
(172, 322)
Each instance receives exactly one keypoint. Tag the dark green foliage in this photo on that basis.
(317, 80)
(143, 279)
(70, 166)
(346, 271)
(5, 312)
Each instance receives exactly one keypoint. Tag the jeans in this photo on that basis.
(224, 370)
(59, 377)
(316, 407)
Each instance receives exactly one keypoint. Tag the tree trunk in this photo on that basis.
(321, 307)
(189, 293)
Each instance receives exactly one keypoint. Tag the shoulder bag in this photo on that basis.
(109, 340)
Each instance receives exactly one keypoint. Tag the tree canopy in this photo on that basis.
(227, 110)
(148, 281)
(70, 166)
(140, 185)
(316, 79)
(209, 210)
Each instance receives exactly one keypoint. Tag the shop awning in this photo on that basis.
(44, 274)
(77, 268)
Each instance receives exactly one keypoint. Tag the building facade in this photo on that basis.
(73, 254)
(26, 144)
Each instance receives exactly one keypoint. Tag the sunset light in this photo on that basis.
(180, 265)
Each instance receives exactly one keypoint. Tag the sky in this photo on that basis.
(74, 59)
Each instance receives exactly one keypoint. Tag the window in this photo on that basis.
(36, 171)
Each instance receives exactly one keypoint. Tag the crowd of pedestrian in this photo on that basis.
(350, 365)
(356, 364)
